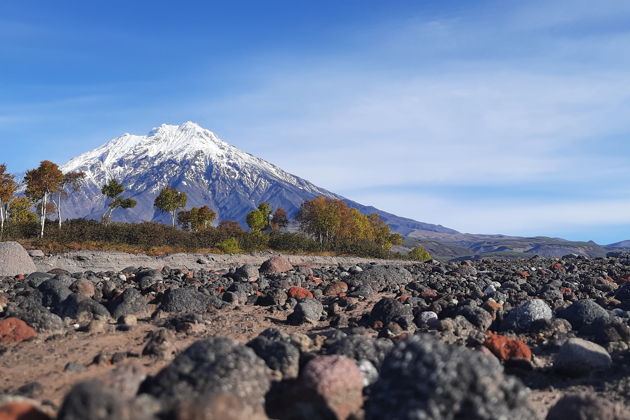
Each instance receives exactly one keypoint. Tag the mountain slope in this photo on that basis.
(209, 170)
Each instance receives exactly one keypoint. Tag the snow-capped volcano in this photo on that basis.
(209, 170)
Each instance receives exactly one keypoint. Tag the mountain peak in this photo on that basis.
(187, 127)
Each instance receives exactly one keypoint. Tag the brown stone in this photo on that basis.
(336, 288)
(337, 381)
(276, 265)
(14, 330)
(83, 287)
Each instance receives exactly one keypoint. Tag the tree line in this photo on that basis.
(331, 223)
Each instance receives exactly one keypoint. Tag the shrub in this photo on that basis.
(229, 246)
(419, 254)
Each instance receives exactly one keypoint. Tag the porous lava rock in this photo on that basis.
(422, 378)
(506, 348)
(212, 365)
(14, 330)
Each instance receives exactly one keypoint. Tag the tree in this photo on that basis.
(7, 189)
(419, 254)
(196, 219)
(230, 226)
(258, 219)
(41, 183)
(71, 183)
(112, 190)
(279, 220)
(20, 211)
(170, 200)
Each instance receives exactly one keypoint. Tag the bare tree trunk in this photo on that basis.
(2, 217)
(43, 214)
(173, 217)
(59, 209)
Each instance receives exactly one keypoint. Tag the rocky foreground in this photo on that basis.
(537, 338)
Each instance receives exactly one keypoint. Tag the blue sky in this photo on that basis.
(487, 116)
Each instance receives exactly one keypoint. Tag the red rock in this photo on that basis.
(523, 273)
(335, 288)
(429, 293)
(299, 293)
(21, 410)
(20, 277)
(493, 307)
(403, 298)
(276, 265)
(337, 381)
(14, 330)
(506, 348)
(566, 290)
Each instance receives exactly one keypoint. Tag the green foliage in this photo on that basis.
(20, 211)
(229, 246)
(419, 254)
(293, 242)
(170, 200)
(196, 219)
(258, 219)
(112, 190)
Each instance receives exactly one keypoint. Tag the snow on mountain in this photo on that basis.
(209, 170)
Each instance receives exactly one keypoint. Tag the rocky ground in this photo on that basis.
(289, 339)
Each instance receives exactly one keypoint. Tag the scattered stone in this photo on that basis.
(423, 378)
(188, 300)
(212, 365)
(22, 409)
(247, 272)
(278, 352)
(15, 260)
(74, 367)
(336, 288)
(506, 348)
(578, 357)
(275, 265)
(522, 317)
(159, 344)
(587, 407)
(334, 381)
(389, 310)
(585, 316)
(14, 330)
(308, 310)
(129, 302)
(299, 293)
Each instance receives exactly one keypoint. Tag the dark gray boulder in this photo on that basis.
(422, 378)
(128, 302)
(188, 300)
(308, 310)
(586, 316)
(212, 365)
(278, 352)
